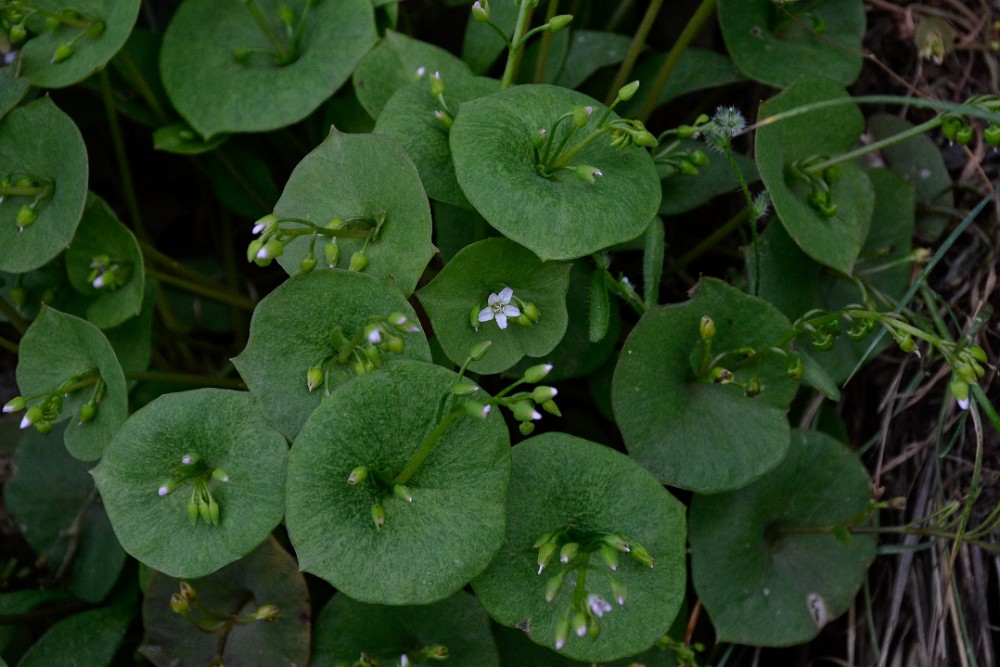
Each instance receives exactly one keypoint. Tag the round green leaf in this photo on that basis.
(394, 62)
(49, 491)
(562, 217)
(346, 628)
(561, 481)
(680, 426)
(89, 638)
(361, 175)
(426, 550)
(216, 92)
(517, 650)
(40, 141)
(465, 284)
(764, 559)
(58, 347)
(223, 429)
(12, 87)
(408, 117)
(109, 21)
(777, 43)
(834, 240)
(290, 333)
(101, 234)
(268, 575)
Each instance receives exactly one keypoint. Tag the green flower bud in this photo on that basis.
(394, 344)
(266, 612)
(950, 125)
(32, 416)
(265, 224)
(627, 91)
(479, 351)
(580, 624)
(754, 387)
(87, 413)
(213, 510)
(220, 475)
(562, 632)
(964, 135)
(26, 216)
(609, 555)
(314, 377)
(698, 158)
(568, 552)
(358, 475)
(641, 554)
(307, 264)
(581, 115)
(523, 320)
(51, 23)
(796, 368)
(559, 22)
(378, 515)
(481, 10)
(476, 409)
(549, 536)
(545, 554)
(552, 586)
(525, 411)
(179, 604)
(832, 174)
(526, 428)
(474, 317)
(337, 338)
(992, 135)
(619, 591)
(463, 388)
(706, 328)
(587, 174)
(444, 118)
(192, 510)
(271, 249)
(964, 371)
(686, 131)
(402, 493)
(907, 344)
(437, 84)
(330, 253)
(62, 52)
(18, 295)
(687, 168)
(253, 249)
(538, 138)
(17, 33)
(531, 310)
(204, 511)
(721, 375)
(543, 393)
(373, 355)
(537, 373)
(551, 407)
(15, 404)
(647, 140)
(960, 390)
(43, 426)
(619, 542)
(977, 353)
(358, 261)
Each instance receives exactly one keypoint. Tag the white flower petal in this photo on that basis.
(486, 314)
(493, 300)
(511, 311)
(962, 402)
(501, 320)
(505, 294)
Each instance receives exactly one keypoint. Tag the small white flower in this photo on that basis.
(163, 490)
(598, 605)
(99, 281)
(404, 661)
(499, 308)
(25, 422)
(964, 403)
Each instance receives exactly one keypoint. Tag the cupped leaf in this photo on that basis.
(464, 287)
(670, 403)
(105, 253)
(345, 629)
(93, 36)
(833, 238)
(558, 217)
(777, 43)
(394, 62)
(140, 480)
(41, 143)
(52, 496)
(266, 576)
(564, 483)
(58, 348)
(290, 333)
(91, 638)
(426, 549)
(408, 117)
(766, 560)
(221, 72)
(366, 176)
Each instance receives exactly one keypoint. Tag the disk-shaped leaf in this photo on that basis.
(561, 481)
(394, 62)
(561, 217)
(267, 576)
(58, 347)
(517, 650)
(408, 117)
(12, 87)
(679, 424)
(102, 237)
(833, 240)
(217, 92)
(50, 493)
(465, 284)
(427, 549)
(290, 333)
(41, 142)
(89, 638)
(777, 43)
(361, 176)
(764, 559)
(224, 430)
(682, 193)
(346, 628)
(109, 21)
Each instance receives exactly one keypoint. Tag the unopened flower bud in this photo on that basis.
(358, 475)
(479, 350)
(463, 388)
(188, 591)
(706, 328)
(394, 344)
(559, 22)
(992, 135)
(531, 310)
(545, 554)
(314, 377)
(273, 248)
(436, 652)
(253, 248)
(220, 475)
(609, 555)
(331, 252)
(536, 373)
(538, 138)
(87, 413)
(481, 10)
(192, 511)
(525, 411)
(179, 604)
(552, 586)
(476, 409)
(51, 23)
(641, 554)
(587, 173)
(627, 91)
(618, 590)
(213, 511)
(551, 407)
(444, 118)
(167, 487)
(437, 84)
(402, 493)
(526, 428)
(378, 515)
(307, 264)
(266, 612)
(44, 426)
(265, 224)
(15, 404)
(26, 216)
(523, 320)
(580, 624)
(62, 52)
(960, 390)
(568, 552)
(647, 140)
(32, 416)
(581, 115)
(907, 344)
(358, 261)
(964, 135)
(543, 393)
(562, 632)
(17, 33)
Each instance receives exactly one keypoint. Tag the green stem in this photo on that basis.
(151, 253)
(545, 44)
(141, 86)
(118, 142)
(265, 27)
(13, 316)
(691, 30)
(876, 146)
(186, 378)
(517, 44)
(430, 442)
(21, 191)
(214, 293)
(634, 50)
(575, 150)
(753, 219)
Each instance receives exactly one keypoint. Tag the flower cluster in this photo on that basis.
(49, 404)
(18, 16)
(187, 603)
(202, 505)
(107, 274)
(37, 190)
(275, 232)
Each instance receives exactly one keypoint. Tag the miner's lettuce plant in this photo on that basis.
(463, 250)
